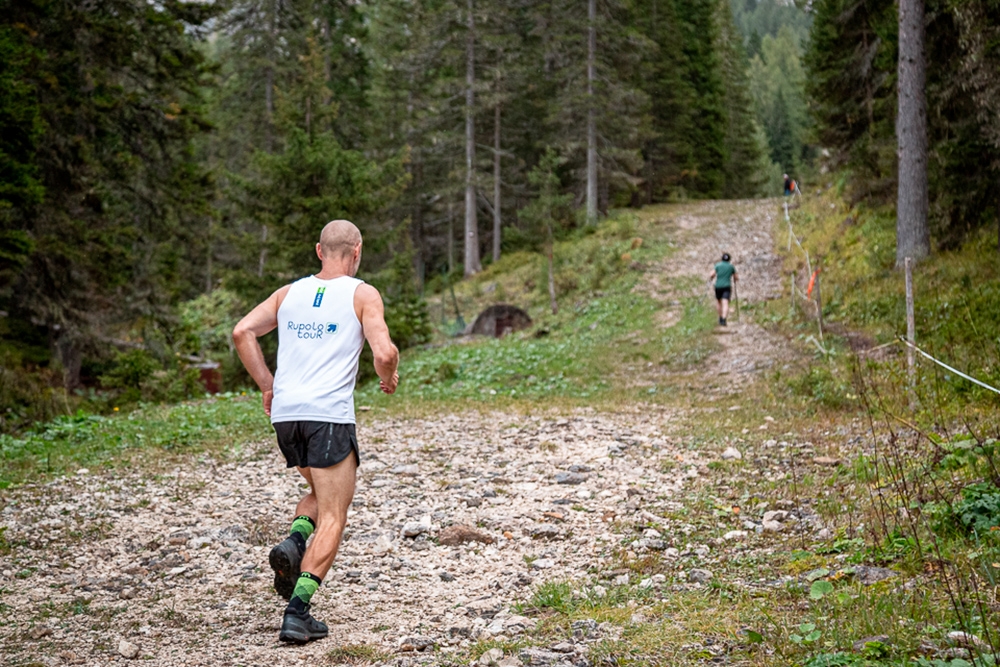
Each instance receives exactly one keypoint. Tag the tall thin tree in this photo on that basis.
(473, 263)
(496, 181)
(912, 233)
(591, 113)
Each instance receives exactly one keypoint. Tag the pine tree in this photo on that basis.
(744, 169)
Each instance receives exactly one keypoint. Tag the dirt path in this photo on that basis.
(702, 233)
(172, 569)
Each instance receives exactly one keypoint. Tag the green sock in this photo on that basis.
(305, 587)
(303, 526)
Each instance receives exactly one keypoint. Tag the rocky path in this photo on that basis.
(702, 233)
(173, 569)
(456, 522)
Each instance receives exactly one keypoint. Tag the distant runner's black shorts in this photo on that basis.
(723, 293)
(316, 444)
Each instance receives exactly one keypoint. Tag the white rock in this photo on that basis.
(621, 580)
(652, 533)
(491, 657)
(732, 454)
(414, 528)
(542, 563)
(735, 535)
(600, 591)
(773, 527)
(659, 578)
(775, 515)
(646, 583)
(383, 544)
(127, 649)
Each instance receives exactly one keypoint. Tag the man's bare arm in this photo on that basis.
(371, 312)
(261, 320)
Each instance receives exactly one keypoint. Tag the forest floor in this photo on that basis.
(651, 533)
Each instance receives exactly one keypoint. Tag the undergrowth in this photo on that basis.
(85, 440)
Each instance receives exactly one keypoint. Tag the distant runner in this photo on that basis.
(724, 276)
(791, 187)
(323, 321)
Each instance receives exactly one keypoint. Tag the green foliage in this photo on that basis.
(806, 633)
(136, 375)
(130, 371)
(820, 589)
(778, 85)
(207, 321)
(977, 513)
(553, 595)
(852, 84)
(825, 384)
(20, 122)
(405, 309)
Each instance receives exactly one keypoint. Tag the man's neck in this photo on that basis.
(333, 271)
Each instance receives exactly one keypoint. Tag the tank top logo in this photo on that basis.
(319, 297)
(314, 330)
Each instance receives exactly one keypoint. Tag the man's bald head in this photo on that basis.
(339, 239)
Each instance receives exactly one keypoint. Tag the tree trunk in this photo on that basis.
(472, 262)
(417, 229)
(912, 233)
(269, 80)
(208, 262)
(552, 279)
(496, 183)
(591, 121)
(451, 232)
(262, 259)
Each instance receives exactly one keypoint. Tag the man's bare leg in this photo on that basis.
(333, 488)
(723, 308)
(307, 504)
(286, 556)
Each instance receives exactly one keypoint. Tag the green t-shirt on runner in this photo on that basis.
(723, 274)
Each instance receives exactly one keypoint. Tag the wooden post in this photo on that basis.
(791, 295)
(819, 305)
(910, 325)
(789, 221)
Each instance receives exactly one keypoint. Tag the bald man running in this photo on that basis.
(323, 321)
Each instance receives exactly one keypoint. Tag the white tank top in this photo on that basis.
(319, 342)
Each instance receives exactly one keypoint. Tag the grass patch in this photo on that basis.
(91, 441)
(357, 654)
(603, 346)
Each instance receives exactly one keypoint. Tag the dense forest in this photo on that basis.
(164, 165)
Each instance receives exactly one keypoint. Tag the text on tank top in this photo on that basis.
(319, 343)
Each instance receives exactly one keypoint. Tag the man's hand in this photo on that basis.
(268, 397)
(389, 387)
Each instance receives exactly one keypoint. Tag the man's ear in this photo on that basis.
(319, 251)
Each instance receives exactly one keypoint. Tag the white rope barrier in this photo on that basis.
(944, 365)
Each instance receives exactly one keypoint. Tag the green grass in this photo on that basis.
(956, 296)
(593, 350)
(90, 441)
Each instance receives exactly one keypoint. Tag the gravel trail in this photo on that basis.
(171, 568)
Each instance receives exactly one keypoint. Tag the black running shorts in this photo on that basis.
(723, 293)
(316, 444)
